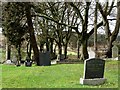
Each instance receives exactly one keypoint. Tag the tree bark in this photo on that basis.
(95, 31)
(65, 49)
(84, 52)
(8, 51)
(32, 35)
(29, 48)
(19, 52)
(51, 45)
(78, 48)
(60, 50)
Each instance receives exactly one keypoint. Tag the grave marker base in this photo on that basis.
(95, 81)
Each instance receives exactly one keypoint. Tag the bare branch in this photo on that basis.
(77, 11)
(50, 18)
(111, 7)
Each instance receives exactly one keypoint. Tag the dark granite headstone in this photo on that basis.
(28, 62)
(94, 68)
(44, 58)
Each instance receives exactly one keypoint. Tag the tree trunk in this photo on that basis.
(65, 50)
(8, 51)
(47, 44)
(41, 47)
(114, 33)
(78, 48)
(32, 36)
(84, 52)
(60, 50)
(109, 50)
(29, 48)
(95, 31)
(51, 45)
(19, 52)
(55, 48)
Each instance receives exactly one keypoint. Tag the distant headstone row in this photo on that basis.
(44, 60)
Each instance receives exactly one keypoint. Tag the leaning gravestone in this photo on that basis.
(44, 58)
(115, 51)
(93, 72)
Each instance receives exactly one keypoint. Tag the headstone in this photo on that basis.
(93, 72)
(115, 51)
(28, 62)
(44, 58)
(9, 62)
(91, 53)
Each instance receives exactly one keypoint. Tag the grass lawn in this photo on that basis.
(55, 76)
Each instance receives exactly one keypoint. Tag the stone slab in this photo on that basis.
(94, 68)
(96, 81)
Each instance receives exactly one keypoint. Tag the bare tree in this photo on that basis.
(110, 36)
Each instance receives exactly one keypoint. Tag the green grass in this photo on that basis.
(55, 76)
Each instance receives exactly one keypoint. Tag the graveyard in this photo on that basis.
(59, 45)
(55, 76)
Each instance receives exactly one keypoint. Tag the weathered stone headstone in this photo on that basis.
(44, 58)
(28, 63)
(115, 51)
(91, 53)
(9, 62)
(93, 72)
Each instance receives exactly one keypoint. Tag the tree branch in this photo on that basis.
(50, 18)
(101, 10)
(77, 11)
(111, 7)
(92, 30)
